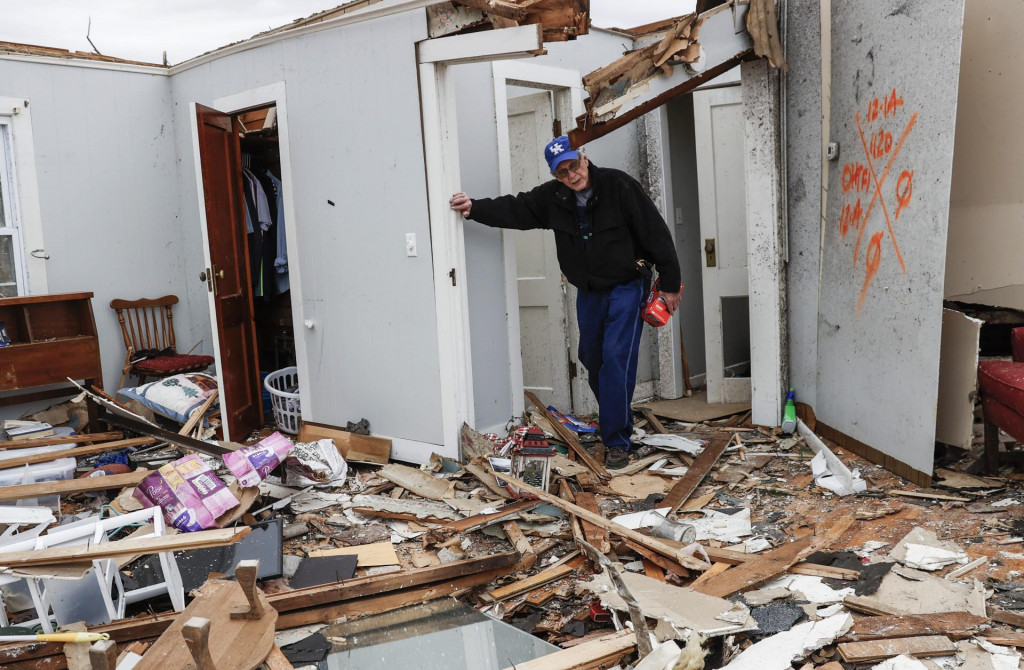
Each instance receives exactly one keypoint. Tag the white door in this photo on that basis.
(718, 128)
(542, 289)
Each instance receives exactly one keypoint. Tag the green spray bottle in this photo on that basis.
(789, 416)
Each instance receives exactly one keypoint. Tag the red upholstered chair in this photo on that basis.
(1002, 403)
(147, 327)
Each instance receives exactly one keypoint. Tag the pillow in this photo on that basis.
(174, 397)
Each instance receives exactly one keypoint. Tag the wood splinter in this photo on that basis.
(245, 573)
(196, 632)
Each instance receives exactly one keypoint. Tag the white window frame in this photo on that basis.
(22, 217)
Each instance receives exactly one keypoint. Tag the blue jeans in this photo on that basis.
(610, 329)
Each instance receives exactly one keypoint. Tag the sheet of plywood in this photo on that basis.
(694, 409)
(958, 378)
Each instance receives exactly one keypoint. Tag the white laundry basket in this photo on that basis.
(283, 386)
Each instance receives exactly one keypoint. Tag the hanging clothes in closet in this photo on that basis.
(264, 217)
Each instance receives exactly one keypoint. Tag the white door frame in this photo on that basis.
(271, 94)
(540, 77)
(447, 242)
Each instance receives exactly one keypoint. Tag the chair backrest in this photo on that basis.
(146, 323)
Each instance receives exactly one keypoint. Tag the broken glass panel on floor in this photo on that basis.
(439, 635)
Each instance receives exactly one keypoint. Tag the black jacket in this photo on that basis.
(626, 227)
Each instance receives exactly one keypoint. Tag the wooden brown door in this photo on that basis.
(229, 272)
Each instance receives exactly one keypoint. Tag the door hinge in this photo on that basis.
(452, 275)
(572, 369)
(556, 128)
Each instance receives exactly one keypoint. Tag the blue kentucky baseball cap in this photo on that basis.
(558, 150)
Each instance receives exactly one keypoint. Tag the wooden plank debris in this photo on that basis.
(879, 650)
(684, 488)
(84, 438)
(956, 625)
(218, 537)
(598, 520)
(595, 535)
(531, 583)
(479, 521)
(522, 545)
(1005, 616)
(353, 447)
(601, 652)
(74, 452)
(927, 496)
(569, 438)
(771, 563)
(72, 486)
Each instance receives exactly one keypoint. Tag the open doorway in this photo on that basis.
(709, 196)
(247, 231)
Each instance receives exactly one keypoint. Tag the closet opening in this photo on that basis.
(266, 246)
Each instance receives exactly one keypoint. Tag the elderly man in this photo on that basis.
(608, 233)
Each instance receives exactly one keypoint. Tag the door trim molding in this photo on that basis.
(541, 77)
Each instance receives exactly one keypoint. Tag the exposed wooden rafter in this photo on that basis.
(691, 51)
(560, 19)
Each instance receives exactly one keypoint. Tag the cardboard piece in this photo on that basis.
(368, 555)
(419, 482)
(353, 447)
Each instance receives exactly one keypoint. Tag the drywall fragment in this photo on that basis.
(900, 662)
(679, 606)
(922, 549)
(813, 589)
(926, 594)
(672, 442)
(565, 467)
(779, 651)
(310, 501)
(830, 472)
(766, 595)
(638, 487)
(720, 526)
(419, 509)
(419, 482)
(1002, 658)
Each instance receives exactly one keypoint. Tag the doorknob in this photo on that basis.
(220, 274)
(709, 252)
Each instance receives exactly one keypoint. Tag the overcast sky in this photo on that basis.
(144, 29)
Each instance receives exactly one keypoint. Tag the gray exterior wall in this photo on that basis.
(355, 139)
(108, 192)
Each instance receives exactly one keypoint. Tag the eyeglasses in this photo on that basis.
(571, 166)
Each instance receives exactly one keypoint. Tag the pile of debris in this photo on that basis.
(723, 546)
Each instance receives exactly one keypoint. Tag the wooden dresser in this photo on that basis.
(53, 338)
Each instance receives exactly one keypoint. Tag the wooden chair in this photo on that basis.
(147, 327)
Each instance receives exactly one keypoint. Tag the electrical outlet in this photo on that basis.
(410, 244)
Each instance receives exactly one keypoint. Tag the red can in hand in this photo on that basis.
(655, 310)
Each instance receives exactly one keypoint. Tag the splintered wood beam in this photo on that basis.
(567, 436)
(479, 521)
(957, 625)
(772, 563)
(651, 543)
(505, 10)
(595, 535)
